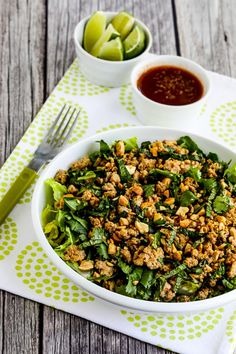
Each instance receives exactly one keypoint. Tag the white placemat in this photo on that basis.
(25, 269)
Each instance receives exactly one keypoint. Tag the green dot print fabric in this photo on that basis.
(179, 327)
(125, 98)
(25, 268)
(40, 275)
(223, 122)
(8, 238)
(74, 83)
(47, 115)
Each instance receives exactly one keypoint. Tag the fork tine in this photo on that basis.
(58, 130)
(54, 124)
(65, 128)
(68, 134)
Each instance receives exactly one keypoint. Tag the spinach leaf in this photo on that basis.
(102, 250)
(172, 237)
(133, 279)
(175, 271)
(187, 143)
(131, 144)
(124, 173)
(220, 272)
(127, 269)
(158, 172)
(75, 204)
(104, 148)
(230, 173)
(157, 240)
(211, 186)
(190, 233)
(149, 189)
(87, 175)
(77, 226)
(102, 209)
(213, 157)
(187, 198)
(221, 204)
(72, 203)
(148, 278)
(98, 236)
(194, 173)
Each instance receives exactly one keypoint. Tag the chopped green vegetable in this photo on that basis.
(124, 173)
(187, 198)
(131, 144)
(187, 143)
(195, 173)
(221, 204)
(230, 173)
(58, 189)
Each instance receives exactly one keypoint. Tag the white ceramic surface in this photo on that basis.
(85, 146)
(105, 72)
(153, 113)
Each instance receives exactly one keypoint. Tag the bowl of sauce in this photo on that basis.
(169, 91)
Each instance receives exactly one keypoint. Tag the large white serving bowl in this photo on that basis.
(86, 146)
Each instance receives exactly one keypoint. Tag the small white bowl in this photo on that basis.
(105, 72)
(86, 146)
(153, 113)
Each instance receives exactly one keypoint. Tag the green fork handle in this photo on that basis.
(21, 184)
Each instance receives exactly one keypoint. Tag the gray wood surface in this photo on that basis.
(36, 48)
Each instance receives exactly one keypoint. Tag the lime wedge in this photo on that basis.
(110, 33)
(94, 29)
(134, 44)
(123, 23)
(112, 50)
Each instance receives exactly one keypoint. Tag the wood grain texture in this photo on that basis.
(206, 32)
(36, 39)
(22, 55)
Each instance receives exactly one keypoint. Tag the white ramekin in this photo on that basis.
(105, 72)
(153, 113)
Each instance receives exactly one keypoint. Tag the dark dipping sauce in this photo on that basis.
(170, 85)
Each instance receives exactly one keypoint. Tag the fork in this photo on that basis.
(52, 143)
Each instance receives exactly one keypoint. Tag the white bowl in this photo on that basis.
(153, 113)
(105, 72)
(85, 146)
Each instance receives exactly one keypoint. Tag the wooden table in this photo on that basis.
(36, 49)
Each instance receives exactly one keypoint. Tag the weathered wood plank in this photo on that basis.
(21, 95)
(207, 33)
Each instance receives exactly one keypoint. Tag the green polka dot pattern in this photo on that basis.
(230, 328)
(175, 327)
(203, 110)
(46, 116)
(125, 99)
(12, 167)
(40, 275)
(223, 122)
(74, 83)
(113, 126)
(8, 237)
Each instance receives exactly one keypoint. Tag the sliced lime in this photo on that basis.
(134, 44)
(123, 23)
(110, 33)
(112, 50)
(94, 29)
